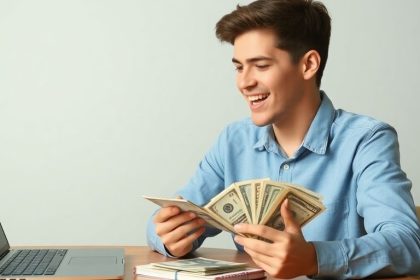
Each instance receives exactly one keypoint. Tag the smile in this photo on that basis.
(253, 99)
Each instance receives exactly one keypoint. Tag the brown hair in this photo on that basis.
(300, 25)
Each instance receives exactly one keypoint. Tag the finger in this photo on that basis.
(180, 232)
(165, 214)
(239, 239)
(263, 262)
(259, 230)
(188, 239)
(258, 246)
(290, 225)
(267, 260)
(174, 222)
(184, 245)
(263, 266)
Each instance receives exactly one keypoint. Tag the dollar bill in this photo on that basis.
(257, 190)
(271, 192)
(303, 210)
(201, 265)
(245, 190)
(304, 191)
(227, 205)
(186, 205)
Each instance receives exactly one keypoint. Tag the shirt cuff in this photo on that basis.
(332, 261)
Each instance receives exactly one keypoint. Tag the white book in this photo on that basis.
(151, 271)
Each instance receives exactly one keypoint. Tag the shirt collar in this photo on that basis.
(316, 139)
(267, 140)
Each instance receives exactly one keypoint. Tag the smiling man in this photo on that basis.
(296, 135)
(277, 89)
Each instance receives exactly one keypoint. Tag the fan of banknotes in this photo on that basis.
(255, 202)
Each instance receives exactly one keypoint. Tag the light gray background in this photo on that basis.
(103, 101)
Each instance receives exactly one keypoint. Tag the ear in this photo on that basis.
(310, 64)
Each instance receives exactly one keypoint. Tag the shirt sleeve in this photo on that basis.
(207, 181)
(391, 245)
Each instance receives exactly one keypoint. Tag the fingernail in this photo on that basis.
(237, 239)
(237, 227)
(192, 215)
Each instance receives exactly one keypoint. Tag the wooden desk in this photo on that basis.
(143, 255)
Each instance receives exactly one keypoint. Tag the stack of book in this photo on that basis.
(199, 268)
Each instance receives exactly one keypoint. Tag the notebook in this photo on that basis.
(199, 268)
(87, 263)
(149, 270)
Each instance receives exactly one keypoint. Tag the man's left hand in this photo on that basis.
(289, 255)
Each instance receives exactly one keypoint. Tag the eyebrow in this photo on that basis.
(253, 59)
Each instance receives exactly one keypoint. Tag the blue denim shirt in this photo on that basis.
(353, 161)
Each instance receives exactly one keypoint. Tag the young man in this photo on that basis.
(296, 135)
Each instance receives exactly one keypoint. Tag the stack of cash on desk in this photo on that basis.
(199, 268)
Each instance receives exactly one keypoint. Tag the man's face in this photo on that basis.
(270, 82)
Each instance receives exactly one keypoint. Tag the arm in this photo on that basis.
(391, 245)
(204, 185)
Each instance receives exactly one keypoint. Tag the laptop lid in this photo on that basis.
(4, 244)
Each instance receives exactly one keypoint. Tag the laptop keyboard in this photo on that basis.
(33, 262)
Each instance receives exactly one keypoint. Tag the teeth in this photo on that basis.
(257, 97)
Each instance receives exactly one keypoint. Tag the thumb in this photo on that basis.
(290, 225)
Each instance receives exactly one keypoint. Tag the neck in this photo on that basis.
(291, 130)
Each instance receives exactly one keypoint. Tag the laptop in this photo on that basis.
(59, 263)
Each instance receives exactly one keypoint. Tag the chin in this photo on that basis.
(259, 121)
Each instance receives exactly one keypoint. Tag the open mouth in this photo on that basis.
(255, 99)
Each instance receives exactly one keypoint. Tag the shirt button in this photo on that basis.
(286, 167)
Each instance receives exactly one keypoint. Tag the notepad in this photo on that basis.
(153, 271)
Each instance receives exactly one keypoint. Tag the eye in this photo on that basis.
(262, 66)
(238, 68)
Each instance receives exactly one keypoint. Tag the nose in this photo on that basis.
(245, 80)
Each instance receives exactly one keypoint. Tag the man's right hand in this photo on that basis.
(178, 230)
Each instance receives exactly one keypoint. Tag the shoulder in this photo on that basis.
(357, 125)
(363, 140)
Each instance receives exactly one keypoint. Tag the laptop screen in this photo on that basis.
(4, 244)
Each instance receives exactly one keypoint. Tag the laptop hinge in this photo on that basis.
(4, 254)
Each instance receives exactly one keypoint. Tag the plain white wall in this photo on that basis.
(103, 101)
